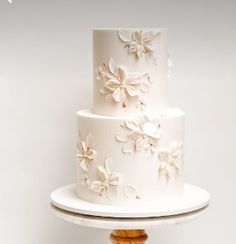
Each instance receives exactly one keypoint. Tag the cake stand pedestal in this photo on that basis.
(128, 236)
(127, 230)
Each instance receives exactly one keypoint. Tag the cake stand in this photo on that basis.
(128, 224)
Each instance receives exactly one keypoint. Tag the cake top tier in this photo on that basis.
(130, 71)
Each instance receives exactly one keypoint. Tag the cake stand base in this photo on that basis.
(128, 236)
(127, 230)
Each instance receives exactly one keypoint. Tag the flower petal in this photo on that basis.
(108, 165)
(118, 95)
(104, 91)
(176, 164)
(112, 84)
(147, 48)
(148, 36)
(164, 172)
(134, 79)
(163, 155)
(112, 66)
(84, 164)
(100, 73)
(122, 137)
(132, 125)
(135, 135)
(176, 149)
(101, 173)
(133, 91)
(157, 35)
(89, 140)
(140, 144)
(114, 180)
(153, 138)
(132, 47)
(83, 147)
(140, 51)
(125, 36)
(109, 98)
(144, 87)
(137, 36)
(121, 73)
(79, 155)
(109, 75)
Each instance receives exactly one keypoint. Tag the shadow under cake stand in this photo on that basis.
(128, 223)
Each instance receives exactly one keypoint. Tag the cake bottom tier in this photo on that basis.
(130, 160)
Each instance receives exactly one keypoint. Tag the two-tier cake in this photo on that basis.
(130, 144)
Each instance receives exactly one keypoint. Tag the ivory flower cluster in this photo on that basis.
(139, 43)
(144, 135)
(171, 159)
(119, 85)
(107, 181)
(139, 135)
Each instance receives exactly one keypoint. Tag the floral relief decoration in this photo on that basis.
(119, 84)
(108, 182)
(85, 152)
(140, 43)
(141, 134)
(171, 159)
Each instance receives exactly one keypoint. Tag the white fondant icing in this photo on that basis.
(130, 123)
(139, 170)
(106, 45)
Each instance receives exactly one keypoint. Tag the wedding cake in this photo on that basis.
(130, 144)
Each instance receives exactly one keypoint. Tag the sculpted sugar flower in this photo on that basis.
(171, 159)
(107, 180)
(85, 152)
(119, 84)
(139, 43)
(139, 135)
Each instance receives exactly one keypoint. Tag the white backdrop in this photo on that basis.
(46, 76)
